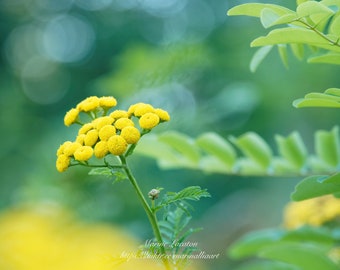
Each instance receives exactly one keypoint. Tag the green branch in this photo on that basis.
(150, 213)
(319, 33)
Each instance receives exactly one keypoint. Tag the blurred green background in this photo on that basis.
(185, 56)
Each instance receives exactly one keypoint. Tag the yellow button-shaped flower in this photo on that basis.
(117, 145)
(130, 134)
(143, 108)
(62, 147)
(88, 104)
(71, 117)
(107, 102)
(85, 128)
(149, 121)
(83, 153)
(71, 148)
(102, 121)
(116, 114)
(123, 122)
(162, 114)
(314, 212)
(91, 137)
(63, 162)
(106, 132)
(101, 149)
(80, 138)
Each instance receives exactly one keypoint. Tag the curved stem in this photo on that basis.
(151, 215)
(321, 34)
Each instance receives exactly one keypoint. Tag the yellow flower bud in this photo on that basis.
(101, 149)
(62, 147)
(107, 102)
(85, 128)
(142, 109)
(149, 121)
(162, 114)
(106, 132)
(102, 121)
(71, 117)
(314, 212)
(132, 108)
(80, 138)
(62, 163)
(83, 153)
(88, 104)
(130, 134)
(117, 145)
(123, 122)
(71, 148)
(91, 137)
(116, 114)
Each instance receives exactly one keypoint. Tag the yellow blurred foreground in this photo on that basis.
(48, 237)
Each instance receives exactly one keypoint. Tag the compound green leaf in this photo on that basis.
(253, 242)
(320, 235)
(329, 58)
(322, 96)
(282, 166)
(266, 265)
(247, 166)
(254, 147)
(333, 91)
(297, 50)
(255, 9)
(315, 102)
(327, 146)
(287, 18)
(215, 145)
(334, 28)
(101, 171)
(311, 8)
(212, 164)
(150, 146)
(294, 35)
(305, 256)
(282, 48)
(288, 35)
(292, 149)
(268, 17)
(333, 4)
(313, 186)
(193, 193)
(328, 99)
(259, 56)
(334, 179)
(182, 143)
(213, 154)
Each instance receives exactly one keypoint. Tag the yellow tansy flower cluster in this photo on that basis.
(314, 212)
(107, 132)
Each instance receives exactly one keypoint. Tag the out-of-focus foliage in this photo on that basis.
(314, 24)
(300, 249)
(212, 153)
(328, 99)
(142, 67)
(308, 241)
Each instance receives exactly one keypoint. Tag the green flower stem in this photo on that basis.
(133, 146)
(98, 166)
(151, 215)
